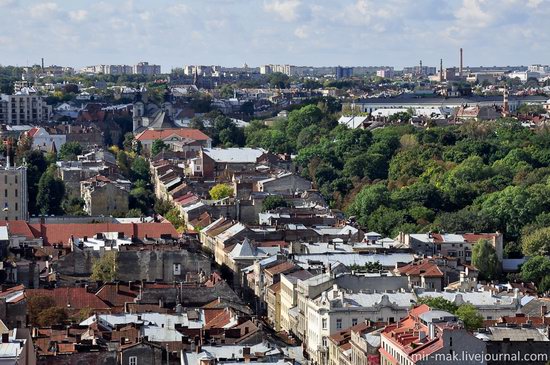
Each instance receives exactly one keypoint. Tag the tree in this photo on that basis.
(535, 269)
(279, 80)
(105, 268)
(470, 316)
(272, 202)
(220, 191)
(174, 217)
(536, 242)
(439, 303)
(52, 316)
(69, 151)
(36, 304)
(485, 259)
(50, 194)
(139, 170)
(134, 213)
(158, 146)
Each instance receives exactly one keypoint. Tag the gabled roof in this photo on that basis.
(426, 268)
(189, 133)
(234, 155)
(72, 298)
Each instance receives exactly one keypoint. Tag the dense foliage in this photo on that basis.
(480, 176)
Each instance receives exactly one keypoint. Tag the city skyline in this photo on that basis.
(299, 32)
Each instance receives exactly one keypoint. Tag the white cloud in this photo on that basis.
(43, 10)
(6, 2)
(78, 15)
(302, 32)
(286, 10)
(472, 14)
(179, 9)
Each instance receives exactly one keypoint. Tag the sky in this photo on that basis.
(174, 33)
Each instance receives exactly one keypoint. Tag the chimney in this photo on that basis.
(543, 310)
(461, 64)
(42, 64)
(441, 70)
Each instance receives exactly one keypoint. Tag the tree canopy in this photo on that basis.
(220, 191)
(485, 259)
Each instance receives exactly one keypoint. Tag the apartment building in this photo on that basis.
(13, 193)
(25, 107)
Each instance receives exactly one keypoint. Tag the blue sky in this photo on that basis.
(301, 32)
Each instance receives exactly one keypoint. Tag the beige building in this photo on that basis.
(103, 196)
(13, 193)
(24, 108)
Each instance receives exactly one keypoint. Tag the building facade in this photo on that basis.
(24, 108)
(13, 193)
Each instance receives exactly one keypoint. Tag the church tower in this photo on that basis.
(138, 111)
(167, 104)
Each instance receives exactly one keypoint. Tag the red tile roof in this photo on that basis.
(60, 233)
(116, 295)
(281, 268)
(190, 133)
(426, 268)
(20, 228)
(73, 298)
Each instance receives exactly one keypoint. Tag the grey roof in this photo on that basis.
(458, 101)
(234, 155)
(513, 334)
(4, 233)
(429, 316)
(349, 259)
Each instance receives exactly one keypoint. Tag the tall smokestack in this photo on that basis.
(461, 65)
(420, 70)
(42, 63)
(441, 70)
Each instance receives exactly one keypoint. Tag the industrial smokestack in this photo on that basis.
(441, 70)
(42, 63)
(461, 64)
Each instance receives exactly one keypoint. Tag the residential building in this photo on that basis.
(489, 305)
(24, 107)
(214, 162)
(385, 73)
(429, 336)
(46, 141)
(457, 246)
(343, 72)
(338, 308)
(13, 193)
(103, 196)
(422, 274)
(178, 139)
(144, 68)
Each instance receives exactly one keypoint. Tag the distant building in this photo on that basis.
(13, 193)
(25, 107)
(104, 197)
(289, 70)
(45, 141)
(343, 72)
(144, 68)
(386, 73)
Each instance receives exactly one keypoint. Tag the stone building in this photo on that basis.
(103, 196)
(13, 193)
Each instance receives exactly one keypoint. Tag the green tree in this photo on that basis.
(220, 191)
(470, 316)
(50, 194)
(535, 269)
(139, 170)
(158, 146)
(279, 80)
(485, 259)
(52, 316)
(134, 213)
(174, 217)
(272, 202)
(69, 151)
(536, 242)
(36, 304)
(105, 267)
(439, 303)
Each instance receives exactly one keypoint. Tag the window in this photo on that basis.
(324, 321)
(338, 324)
(16, 206)
(5, 193)
(177, 269)
(16, 193)
(132, 360)
(354, 321)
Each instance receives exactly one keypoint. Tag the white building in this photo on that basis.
(25, 107)
(44, 141)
